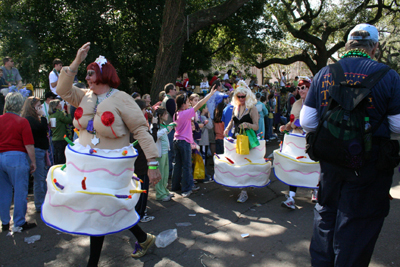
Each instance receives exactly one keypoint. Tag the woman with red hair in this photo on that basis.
(294, 126)
(105, 117)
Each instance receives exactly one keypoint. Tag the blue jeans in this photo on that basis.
(183, 163)
(171, 152)
(14, 173)
(40, 186)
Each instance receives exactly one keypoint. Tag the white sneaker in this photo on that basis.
(289, 203)
(314, 196)
(166, 199)
(242, 197)
(146, 219)
(195, 188)
(186, 194)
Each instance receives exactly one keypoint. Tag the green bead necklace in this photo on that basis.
(356, 53)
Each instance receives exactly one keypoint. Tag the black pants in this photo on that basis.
(142, 203)
(349, 215)
(59, 151)
(293, 188)
(96, 243)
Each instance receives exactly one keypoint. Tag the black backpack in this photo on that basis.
(341, 138)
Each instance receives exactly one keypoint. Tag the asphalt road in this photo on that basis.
(277, 236)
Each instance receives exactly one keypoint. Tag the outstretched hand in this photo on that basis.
(82, 52)
(213, 90)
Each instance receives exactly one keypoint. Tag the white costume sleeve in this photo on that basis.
(309, 118)
(394, 123)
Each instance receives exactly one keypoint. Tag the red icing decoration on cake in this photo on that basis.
(84, 183)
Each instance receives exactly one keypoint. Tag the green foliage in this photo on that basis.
(127, 33)
(34, 32)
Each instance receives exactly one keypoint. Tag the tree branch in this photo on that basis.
(336, 47)
(284, 61)
(206, 17)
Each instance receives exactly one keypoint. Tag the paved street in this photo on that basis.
(277, 236)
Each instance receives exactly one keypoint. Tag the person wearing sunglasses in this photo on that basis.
(244, 116)
(293, 126)
(105, 116)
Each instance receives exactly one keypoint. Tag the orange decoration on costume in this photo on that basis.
(124, 153)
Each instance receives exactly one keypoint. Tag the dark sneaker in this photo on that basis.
(5, 227)
(27, 226)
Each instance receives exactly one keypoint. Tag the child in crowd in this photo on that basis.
(204, 141)
(219, 128)
(183, 139)
(204, 84)
(262, 112)
(159, 125)
(60, 129)
(197, 124)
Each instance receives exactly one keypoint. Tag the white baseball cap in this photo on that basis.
(373, 32)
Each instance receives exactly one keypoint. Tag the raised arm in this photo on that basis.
(204, 100)
(72, 94)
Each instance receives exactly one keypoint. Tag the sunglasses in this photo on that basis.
(301, 87)
(90, 73)
(241, 96)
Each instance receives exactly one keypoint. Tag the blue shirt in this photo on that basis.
(227, 116)
(383, 101)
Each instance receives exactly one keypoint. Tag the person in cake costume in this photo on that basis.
(292, 165)
(239, 170)
(96, 191)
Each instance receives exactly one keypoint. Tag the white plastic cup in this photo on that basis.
(53, 122)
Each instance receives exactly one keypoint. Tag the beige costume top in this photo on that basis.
(115, 117)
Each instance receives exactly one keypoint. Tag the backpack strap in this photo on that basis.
(370, 82)
(337, 73)
(375, 77)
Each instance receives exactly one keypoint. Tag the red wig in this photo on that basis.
(108, 75)
(304, 82)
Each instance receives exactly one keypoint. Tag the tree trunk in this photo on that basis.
(174, 33)
(172, 40)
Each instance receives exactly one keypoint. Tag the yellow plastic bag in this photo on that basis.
(198, 170)
(242, 143)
